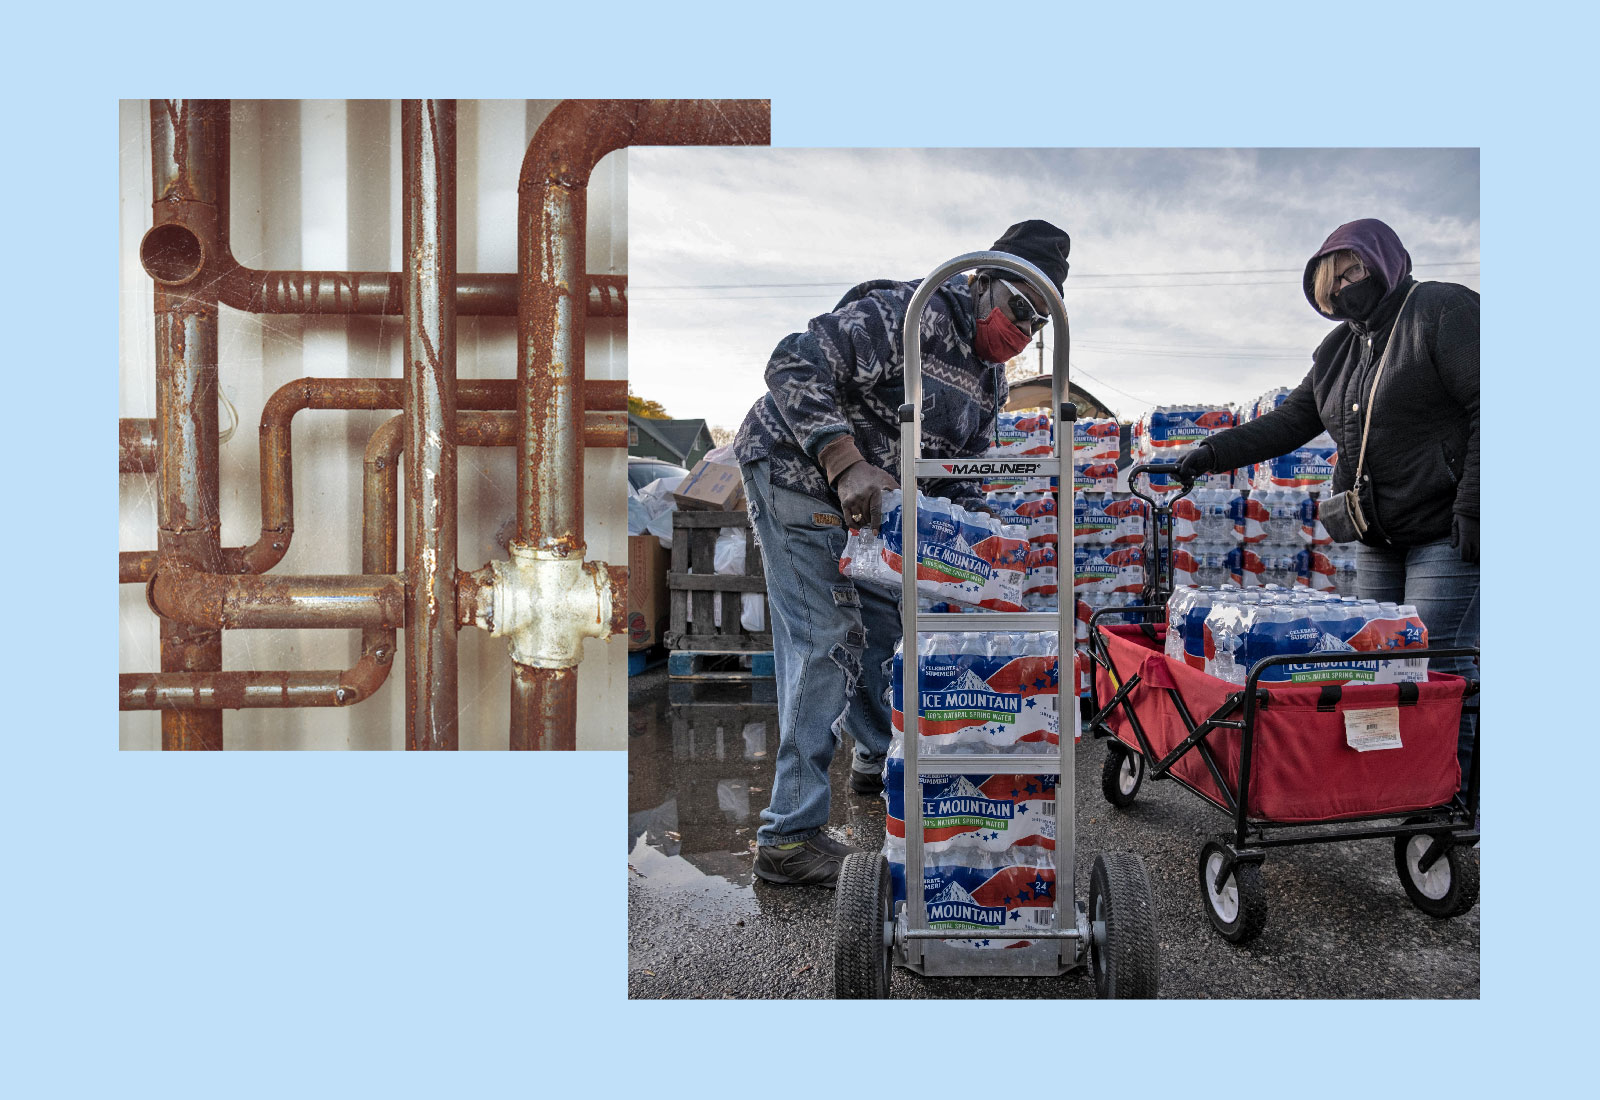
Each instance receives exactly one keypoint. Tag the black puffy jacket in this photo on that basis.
(1422, 452)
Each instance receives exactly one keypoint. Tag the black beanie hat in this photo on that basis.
(1041, 244)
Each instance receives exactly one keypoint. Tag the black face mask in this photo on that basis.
(1359, 299)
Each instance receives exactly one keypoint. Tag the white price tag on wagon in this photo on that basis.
(1368, 730)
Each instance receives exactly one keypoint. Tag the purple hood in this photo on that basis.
(1380, 251)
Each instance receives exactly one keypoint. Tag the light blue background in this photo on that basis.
(321, 924)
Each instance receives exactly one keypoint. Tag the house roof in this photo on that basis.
(677, 436)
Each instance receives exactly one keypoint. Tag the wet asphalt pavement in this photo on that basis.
(700, 925)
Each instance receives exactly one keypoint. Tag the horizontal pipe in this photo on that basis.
(370, 293)
(604, 397)
(136, 446)
(326, 688)
(217, 602)
(239, 690)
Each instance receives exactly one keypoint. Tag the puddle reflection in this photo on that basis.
(700, 761)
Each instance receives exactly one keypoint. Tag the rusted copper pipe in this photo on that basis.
(619, 598)
(544, 708)
(371, 292)
(336, 688)
(601, 429)
(136, 446)
(552, 207)
(187, 137)
(198, 692)
(428, 164)
(352, 293)
(216, 601)
(552, 194)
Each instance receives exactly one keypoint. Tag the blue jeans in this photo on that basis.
(1444, 590)
(832, 642)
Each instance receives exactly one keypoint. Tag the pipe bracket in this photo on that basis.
(545, 602)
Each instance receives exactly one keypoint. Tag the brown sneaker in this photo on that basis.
(814, 863)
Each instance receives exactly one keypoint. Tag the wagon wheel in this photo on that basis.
(1448, 888)
(1121, 774)
(1122, 924)
(863, 925)
(1238, 908)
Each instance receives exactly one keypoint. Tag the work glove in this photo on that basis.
(1197, 462)
(1465, 538)
(860, 491)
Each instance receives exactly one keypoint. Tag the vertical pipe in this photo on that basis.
(544, 706)
(187, 142)
(552, 206)
(428, 162)
(550, 370)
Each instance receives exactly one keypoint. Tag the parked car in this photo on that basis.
(642, 471)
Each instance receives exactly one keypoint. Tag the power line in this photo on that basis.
(1075, 289)
(1114, 389)
(846, 283)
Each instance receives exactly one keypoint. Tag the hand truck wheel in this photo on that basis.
(1448, 888)
(1237, 908)
(1122, 928)
(1121, 774)
(863, 929)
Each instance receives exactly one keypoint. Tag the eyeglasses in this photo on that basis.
(1352, 274)
(1022, 310)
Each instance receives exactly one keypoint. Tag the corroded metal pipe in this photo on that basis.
(136, 446)
(333, 688)
(187, 137)
(601, 429)
(544, 708)
(552, 207)
(216, 601)
(428, 161)
(366, 293)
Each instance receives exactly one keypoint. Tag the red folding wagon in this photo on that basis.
(1289, 763)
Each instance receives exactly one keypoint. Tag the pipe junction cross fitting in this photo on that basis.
(545, 602)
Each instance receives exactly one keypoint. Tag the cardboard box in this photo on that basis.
(712, 487)
(648, 610)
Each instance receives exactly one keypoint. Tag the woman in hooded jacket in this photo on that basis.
(1418, 491)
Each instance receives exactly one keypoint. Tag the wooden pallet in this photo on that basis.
(718, 665)
(694, 588)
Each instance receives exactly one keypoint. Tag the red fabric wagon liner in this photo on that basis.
(1301, 767)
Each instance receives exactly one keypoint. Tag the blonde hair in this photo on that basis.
(1322, 278)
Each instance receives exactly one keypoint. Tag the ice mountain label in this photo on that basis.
(968, 696)
(954, 906)
(959, 803)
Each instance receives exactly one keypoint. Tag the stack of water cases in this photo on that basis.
(1029, 502)
(988, 839)
(1168, 432)
(1224, 630)
(1305, 473)
(1108, 533)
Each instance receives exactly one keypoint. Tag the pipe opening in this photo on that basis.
(171, 254)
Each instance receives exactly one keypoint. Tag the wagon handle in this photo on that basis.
(1159, 468)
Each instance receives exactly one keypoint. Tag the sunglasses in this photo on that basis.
(1022, 310)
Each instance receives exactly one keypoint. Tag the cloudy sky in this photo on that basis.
(1186, 264)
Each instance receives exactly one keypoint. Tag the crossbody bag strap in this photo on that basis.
(1361, 458)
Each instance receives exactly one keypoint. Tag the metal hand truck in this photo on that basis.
(1115, 932)
(1430, 842)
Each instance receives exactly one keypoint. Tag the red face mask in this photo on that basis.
(998, 337)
